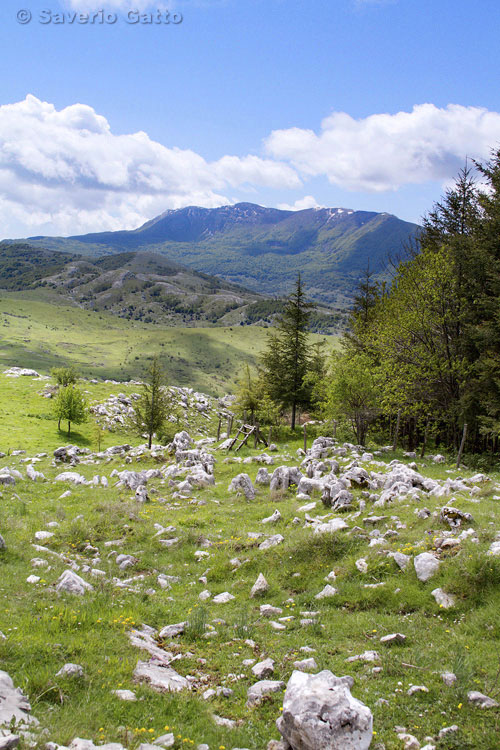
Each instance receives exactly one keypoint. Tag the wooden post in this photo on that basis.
(396, 431)
(229, 425)
(218, 429)
(270, 438)
(334, 428)
(462, 446)
(256, 436)
(305, 437)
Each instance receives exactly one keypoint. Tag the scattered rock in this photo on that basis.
(272, 541)
(426, 566)
(444, 600)
(417, 689)
(448, 678)
(480, 700)
(263, 669)
(242, 484)
(388, 640)
(262, 688)
(320, 712)
(70, 670)
(160, 677)
(125, 695)
(71, 583)
(223, 598)
(306, 665)
(327, 592)
(274, 518)
(260, 586)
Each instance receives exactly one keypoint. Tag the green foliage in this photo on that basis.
(351, 392)
(197, 623)
(286, 361)
(64, 376)
(70, 406)
(152, 409)
(431, 342)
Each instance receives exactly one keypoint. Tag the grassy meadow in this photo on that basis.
(44, 630)
(42, 333)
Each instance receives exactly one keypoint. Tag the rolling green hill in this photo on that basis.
(260, 248)
(142, 286)
(46, 333)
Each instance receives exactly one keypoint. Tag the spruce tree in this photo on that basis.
(152, 408)
(285, 362)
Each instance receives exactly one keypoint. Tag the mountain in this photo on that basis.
(261, 248)
(140, 286)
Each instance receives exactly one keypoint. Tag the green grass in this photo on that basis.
(45, 630)
(42, 335)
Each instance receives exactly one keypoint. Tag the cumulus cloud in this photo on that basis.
(65, 171)
(383, 151)
(308, 201)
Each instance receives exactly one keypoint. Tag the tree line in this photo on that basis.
(420, 360)
(424, 351)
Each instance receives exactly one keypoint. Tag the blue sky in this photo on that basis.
(356, 103)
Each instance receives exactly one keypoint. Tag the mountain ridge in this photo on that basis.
(260, 248)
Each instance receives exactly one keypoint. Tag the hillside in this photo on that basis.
(48, 333)
(143, 286)
(129, 617)
(262, 249)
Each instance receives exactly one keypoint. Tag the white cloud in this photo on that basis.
(141, 5)
(308, 201)
(383, 152)
(66, 172)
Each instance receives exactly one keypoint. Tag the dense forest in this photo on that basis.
(420, 362)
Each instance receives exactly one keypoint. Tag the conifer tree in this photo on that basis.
(285, 362)
(152, 409)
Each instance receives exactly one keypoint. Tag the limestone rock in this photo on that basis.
(263, 669)
(393, 638)
(257, 691)
(306, 665)
(242, 484)
(9, 741)
(443, 599)
(160, 677)
(272, 541)
(71, 583)
(260, 586)
(274, 518)
(70, 670)
(449, 678)
(125, 695)
(327, 592)
(172, 631)
(223, 598)
(426, 565)
(14, 705)
(480, 700)
(330, 527)
(320, 712)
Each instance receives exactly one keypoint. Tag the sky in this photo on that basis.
(109, 115)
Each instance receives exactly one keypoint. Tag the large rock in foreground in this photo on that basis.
(14, 706)
(320, 712)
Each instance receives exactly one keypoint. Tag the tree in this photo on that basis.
(64, 376)
(285, 362)
(152, 409)
(249, 394)
(71, 406)
(351, 392)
